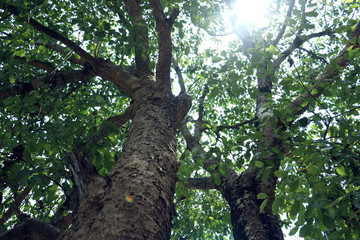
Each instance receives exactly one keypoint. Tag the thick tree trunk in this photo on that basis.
(247, 220)
(136, 200)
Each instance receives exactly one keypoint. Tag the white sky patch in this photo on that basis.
(252, 12)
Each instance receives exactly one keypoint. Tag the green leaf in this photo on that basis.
(276, 205)
(280, 173)
(305, 230)
(311, 169)
(259, 164)
(261, 196)
(266, 174)
(336, 201)
(295, 209)
(263, 205)
(12, 79)
(341, 171)
(217, 179)
(272, 49)
(311, 14)
(294, 185)
(293, 231)
(20, 53)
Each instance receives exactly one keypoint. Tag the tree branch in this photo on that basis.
(112, 122)
(198, 151)
(198, 123)
(180, 76)
(38, 26)
(58, 78)
(328, 74)
(298, 41)
(193, 144)
(82, 170)
(38, 64)
(14, 205)
(203, 183)
(283, 28)
(312, 54)
(31, 228)
(141, 38)
(163, 28)
(62, 50)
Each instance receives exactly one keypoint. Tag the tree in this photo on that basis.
(90, 123)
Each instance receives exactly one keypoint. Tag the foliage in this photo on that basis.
(318, 193)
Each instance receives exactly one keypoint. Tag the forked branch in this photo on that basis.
(298, 41)
(163, 28)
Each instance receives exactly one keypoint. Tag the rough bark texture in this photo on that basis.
(31, 228)
(248, 223)
(136, 200)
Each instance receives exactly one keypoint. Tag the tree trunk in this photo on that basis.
(136, 200)
(247, 220)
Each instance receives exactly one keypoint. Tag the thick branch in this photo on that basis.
(128, 83)
(38, 26)
(112, 122)
(327, 76)
(203, 183)
(31, 229)
(194, 145)
(141, 38)
(163, 28)
(83, 172)
(198, 151)
(59, 78)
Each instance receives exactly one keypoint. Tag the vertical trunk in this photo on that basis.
(241, 191)
(136, 200)
(247, 221)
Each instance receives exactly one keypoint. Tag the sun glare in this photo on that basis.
(251, 12)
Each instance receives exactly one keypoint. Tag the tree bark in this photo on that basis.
(248, 222)
(136, 200)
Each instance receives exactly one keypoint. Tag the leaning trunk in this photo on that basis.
(136, 200)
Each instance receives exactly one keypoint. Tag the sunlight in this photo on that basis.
(251, 12)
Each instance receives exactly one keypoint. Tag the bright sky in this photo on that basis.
(251, 12)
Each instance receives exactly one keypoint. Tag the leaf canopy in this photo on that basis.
(318, 192)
